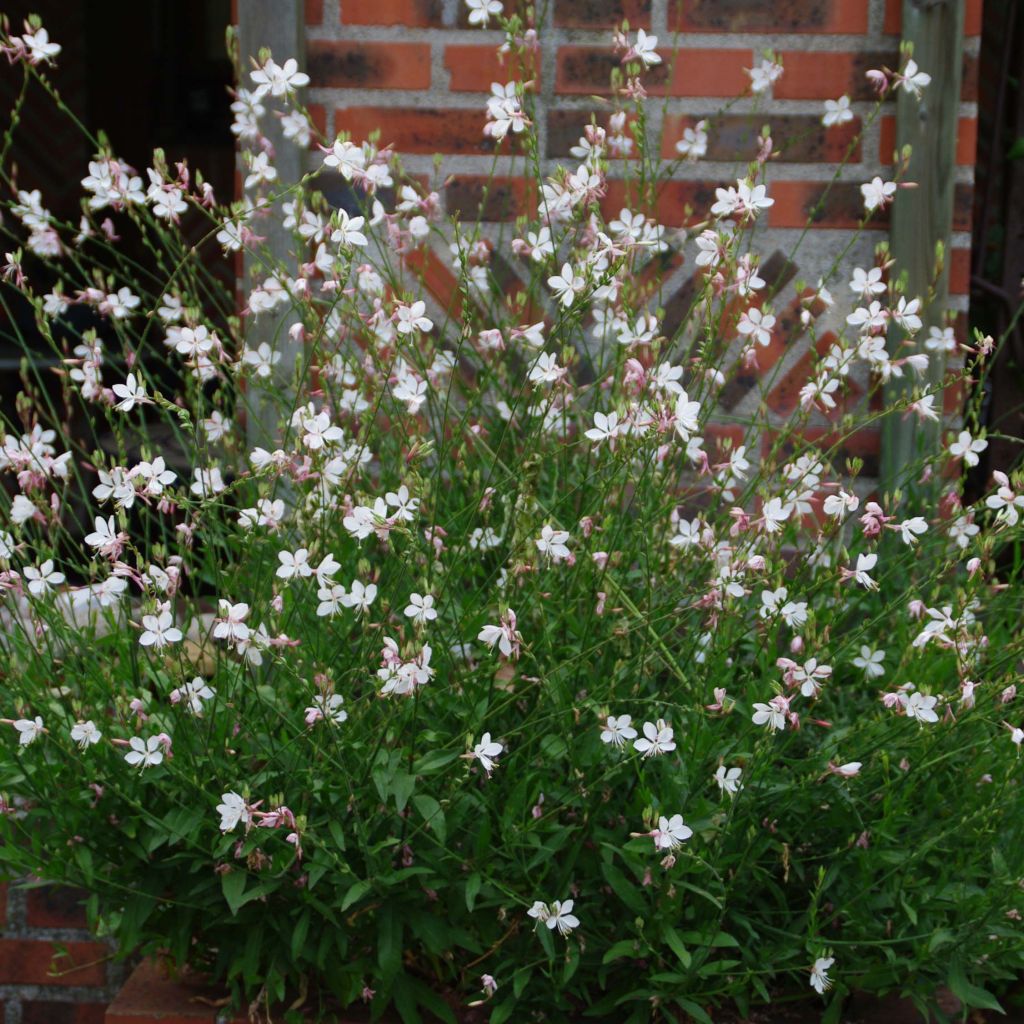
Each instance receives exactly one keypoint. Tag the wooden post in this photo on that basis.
(922, 217)
(277, 25)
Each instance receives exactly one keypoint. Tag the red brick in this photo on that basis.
(820, 16)
(473, 68)
(841, 206)
(819, 75)
(314, 12)
(420, 131)
(798, 138)
(959, 271)
(586, 69)
(785, 396)
(29, 962)
(406, 13)
(55, 906)
(339, 65)
(42, 1012)
(318, 113)
(966, 140)
(566, 127)
(476, 197)
(893, 24)
(864, 444)
(969, 81)
(602, 14)
(677, 203)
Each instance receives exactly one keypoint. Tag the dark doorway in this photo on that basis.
(147, 73)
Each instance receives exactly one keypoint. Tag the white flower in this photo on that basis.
(918, 706)
(193, 694)
(486, 751)
(911, 529)
(645, 49)
(230, 625)
(360, 596)
(772, 714)
(29, 729)
(207, 482)
(546, 369)
(671, 833)
(159, 631)
(293, 564)
(43, 578)
(877, 193)
(967, 448)
(819, 974)
(85, 734)
(694, 144)
(232, 810)
(1007, 504)
(913, 80)
(941, 339)
(327, 708)
(837, 112)
(728, 779)
(841, 504)
(773, 514)
(657, 739)
(865, 563)
(481, 11)
(278, 80)
(421, 609)
(763, 74)
(410, 319)
(686, 416)
(144, 752)
(870, 662)
(39, 47)
(867, 284)
(130, 393)
(566, 285)
(561, 917)
(605, 428)
(553, 543)
(617, 730)
(756, 325)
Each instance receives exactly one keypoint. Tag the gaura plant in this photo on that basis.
(470, 659)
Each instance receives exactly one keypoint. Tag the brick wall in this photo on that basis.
(418, 72)
(52, 971)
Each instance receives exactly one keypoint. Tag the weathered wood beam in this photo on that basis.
(277, 25)
(922, 217)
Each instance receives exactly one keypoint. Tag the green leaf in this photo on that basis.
(337, 833)
(402, 786)
(389, 943)
(232, 884)
(432, 814)
(434, 761)
(299, 934)
(356, 892)
(520, 980)
(571, 964)
(695, 1010)
(624, 889)
(625, 947)
(473, 884)
(675, 943)
(502, 1011)
(1016, 151)
(970, 994)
